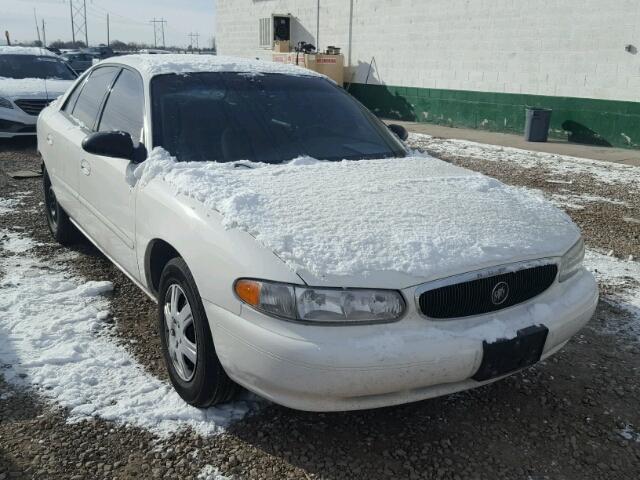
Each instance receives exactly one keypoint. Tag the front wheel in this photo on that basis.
(187, 345)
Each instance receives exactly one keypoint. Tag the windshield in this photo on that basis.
(31, 66)
(272, 118)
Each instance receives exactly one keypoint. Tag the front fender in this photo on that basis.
(216, 256)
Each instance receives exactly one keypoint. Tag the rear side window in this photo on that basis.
(73, 98)
(90, 99)
(124, 109)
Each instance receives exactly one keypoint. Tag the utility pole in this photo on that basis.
(73, 28)
(35, 18)
(44, 34)
(108, 32)
(158, 29)
(86, 29)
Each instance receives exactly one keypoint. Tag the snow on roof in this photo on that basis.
(10, 50)
(418, 217)
(151, 65)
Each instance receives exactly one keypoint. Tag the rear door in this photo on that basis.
(104, 184)
(64, 131)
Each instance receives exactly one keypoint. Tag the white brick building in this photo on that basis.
(474, 62)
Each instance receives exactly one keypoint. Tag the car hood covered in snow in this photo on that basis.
(388, 223)
(33, 88)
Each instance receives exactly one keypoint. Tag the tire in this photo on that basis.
(57, 219)
(204, 382)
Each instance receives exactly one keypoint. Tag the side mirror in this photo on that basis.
(400, 131)
(114, 144)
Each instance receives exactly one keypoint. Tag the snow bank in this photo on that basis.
(557, 165)
(52, 337)
(414, 216)
(152, 65)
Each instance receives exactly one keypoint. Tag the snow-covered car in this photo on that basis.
(30, 78)
(295, 246)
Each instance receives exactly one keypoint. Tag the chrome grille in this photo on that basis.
(485, 295)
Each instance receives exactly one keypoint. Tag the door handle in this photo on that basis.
(85, 167)
(50, 139)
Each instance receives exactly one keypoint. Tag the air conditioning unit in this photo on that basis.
(275, 29)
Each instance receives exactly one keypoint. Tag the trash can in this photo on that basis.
(537, 124)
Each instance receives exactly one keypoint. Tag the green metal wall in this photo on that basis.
(582, 120)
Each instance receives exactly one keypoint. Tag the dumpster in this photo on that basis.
(537, 124)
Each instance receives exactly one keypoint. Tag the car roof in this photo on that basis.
(152, 65)
(35, 51)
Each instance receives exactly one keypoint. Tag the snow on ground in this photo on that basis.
(574, 201)
(624, 279)
(628, 433)
(418, 217)
(209, 472)
(557, 165)
(7, 205)
(52, 337)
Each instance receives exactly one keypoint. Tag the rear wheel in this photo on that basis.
(61, 227)
(187, 345)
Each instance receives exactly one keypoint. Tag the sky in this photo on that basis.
(129, 19)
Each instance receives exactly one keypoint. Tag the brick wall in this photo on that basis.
(570, 48)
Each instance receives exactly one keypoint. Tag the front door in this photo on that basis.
(104, 183)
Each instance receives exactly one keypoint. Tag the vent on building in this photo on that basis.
(266, 37)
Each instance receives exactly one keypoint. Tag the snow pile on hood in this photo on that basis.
(50, 337)
(415, 216)
(29, 87)
(153, 65)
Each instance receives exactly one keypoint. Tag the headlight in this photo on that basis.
(571, 262)
(321, 305)
(4, 103)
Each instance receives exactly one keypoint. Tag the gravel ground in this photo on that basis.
(574, 416)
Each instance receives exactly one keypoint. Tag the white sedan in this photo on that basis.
(30, 79)
(295, 246)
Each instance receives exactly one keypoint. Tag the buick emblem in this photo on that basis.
(500, 293)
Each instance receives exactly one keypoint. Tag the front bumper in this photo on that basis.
(14, 122)
(368, 366)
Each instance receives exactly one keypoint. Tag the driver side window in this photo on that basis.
(124, 109)
(86, 106)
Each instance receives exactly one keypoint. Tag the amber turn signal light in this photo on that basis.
(248, 291)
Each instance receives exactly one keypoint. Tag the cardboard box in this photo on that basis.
(282, 46)
(330, 65)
